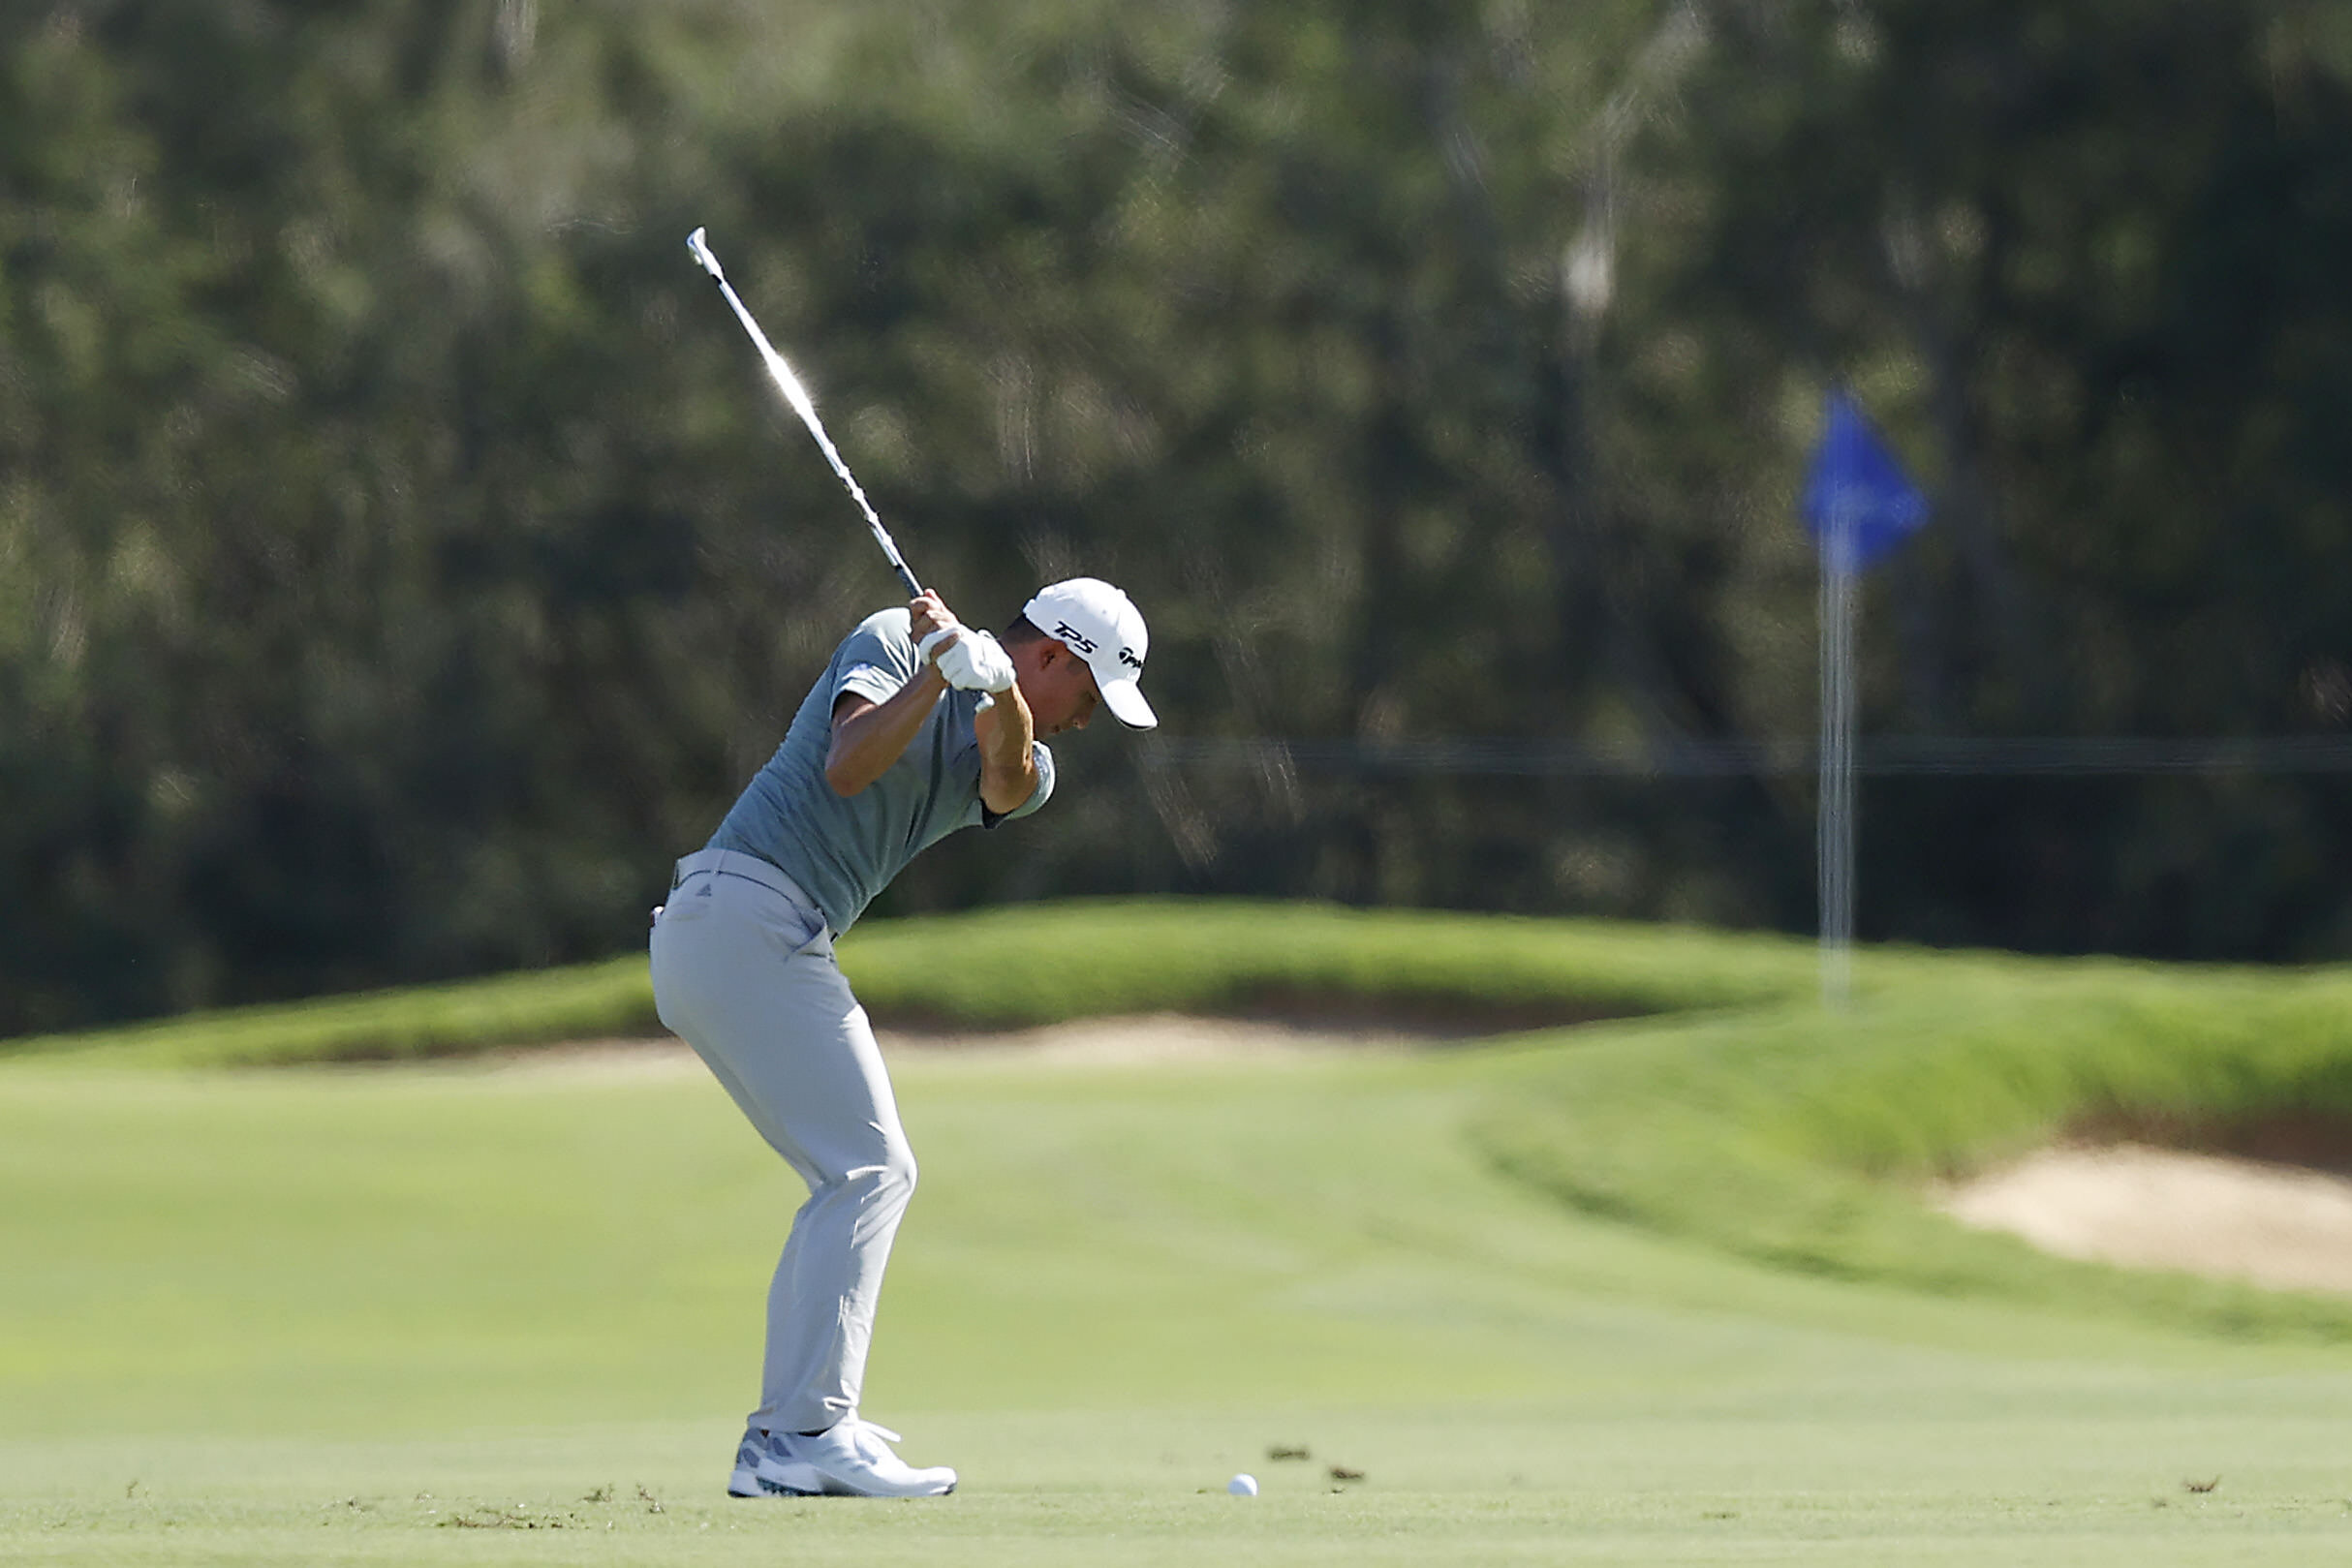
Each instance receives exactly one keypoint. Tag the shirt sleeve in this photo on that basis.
(876, 659)
(1036, 797)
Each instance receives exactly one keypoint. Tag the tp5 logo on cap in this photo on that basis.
(1102, 626)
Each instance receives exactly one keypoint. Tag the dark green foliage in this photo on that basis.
(401, 558)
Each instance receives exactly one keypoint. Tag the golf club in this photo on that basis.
(798, 395)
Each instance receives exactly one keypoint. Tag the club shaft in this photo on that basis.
(787, 382)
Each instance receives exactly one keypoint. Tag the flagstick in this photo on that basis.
(1853, 485)
(1833, 831)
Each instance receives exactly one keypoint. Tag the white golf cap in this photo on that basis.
(1102, 626)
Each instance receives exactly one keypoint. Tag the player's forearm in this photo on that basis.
(1008, 763)
(866, 743)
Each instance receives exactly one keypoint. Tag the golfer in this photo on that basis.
(919, 727)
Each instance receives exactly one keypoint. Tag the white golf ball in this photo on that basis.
(1243, 1486)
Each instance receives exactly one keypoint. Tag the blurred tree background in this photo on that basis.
(402, 556)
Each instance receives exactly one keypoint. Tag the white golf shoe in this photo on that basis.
(853, 1459)
(762, 1469)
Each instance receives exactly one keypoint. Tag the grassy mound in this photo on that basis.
(1045, 963)
(1802, 1140)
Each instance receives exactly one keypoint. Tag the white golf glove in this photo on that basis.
(976, 662)
(932, 639)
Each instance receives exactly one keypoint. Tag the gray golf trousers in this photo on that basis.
(743, 971)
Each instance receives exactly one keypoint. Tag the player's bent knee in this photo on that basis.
(890, 1180)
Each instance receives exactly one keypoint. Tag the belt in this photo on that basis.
(736, 863)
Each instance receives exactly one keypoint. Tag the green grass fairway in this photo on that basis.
(475, 1317)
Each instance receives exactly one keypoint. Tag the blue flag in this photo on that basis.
(1856, 486)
